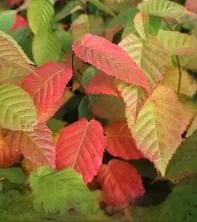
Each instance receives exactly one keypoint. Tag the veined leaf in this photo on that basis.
(47, 87)
(183, 162)
(141, 24)
(37, 146)
(14, 63)
(133, 96)
(62, 190)
(102, 7)
(119, 141)
(68, 9)
(149, 55)
(120, 183)
(177, 43)
(46, 47)
(102, 84)
(8, 155)
(109, 58)
(81, 146)
(159, 127)
(164, 8)
(40, 14)
(17, 109)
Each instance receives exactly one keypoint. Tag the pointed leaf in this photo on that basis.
(17, 109)
(141, 24)
(47, 87)
(133, 96)
(102, 7)
(109, 58)
(102, 84)
(159, 126)
(14, 64)
(81, 146)
(61, 191)
(40, 14)
(149, 55)
(36, 146)
(120, 183)
(119, 141)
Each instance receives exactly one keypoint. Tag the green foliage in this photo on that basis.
(7, 20)
(13, 174)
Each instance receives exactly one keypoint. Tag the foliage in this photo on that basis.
(98, 107)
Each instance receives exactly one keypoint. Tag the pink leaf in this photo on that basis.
(119, 141)
(102, 84)
(120, 183)
(81, 146)
(110, 58)
(47, 85)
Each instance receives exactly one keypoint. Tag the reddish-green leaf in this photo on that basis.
(120, 182)
(102, 84)
(81, 146)
(47, 87)
(119, 141)
(110, 58)
(37, 145)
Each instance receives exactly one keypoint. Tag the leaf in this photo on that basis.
(149, 55)
(104, 106)
(119, 141)
(133, 96)
(61, 190)
(109, 58)
(119, 189)
(13, 174)
(55, 125)
(7, 20)
(37, 146)
(102, 84)
(68, 9)
(88, 74)
(19, 23)
(17, 109)
(46, 47)
(183, 163)
(141, 24)
(13, 61)
(8, 155)
(81, 146)
(177, 43)
(40, 14)
(47, 87)
(188, 84)
(164, 8)
(191, 5)
(83, 109)
(102, 7)
(159, 127)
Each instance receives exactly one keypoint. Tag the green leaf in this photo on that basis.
(68, 9)
(13, 174)
(14, 64)
(7, 19)
(88, 74)
(83, 109)
(46, 47)
(102, 7)
(177, 43)
(40, 14)
(65, 38)
(149, 55)
(62, 190)
(184, 161)
(55, 125)
(17, 109)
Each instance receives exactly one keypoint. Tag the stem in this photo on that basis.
(177, 62)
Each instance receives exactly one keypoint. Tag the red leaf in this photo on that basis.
(191, 5)
(8, 154)
(19, 23)
(81, 146)
(102, 84)
(47, 85)
(13, 2)
(37, 146)
(120, 183)
(110, 58)
(119, 141)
